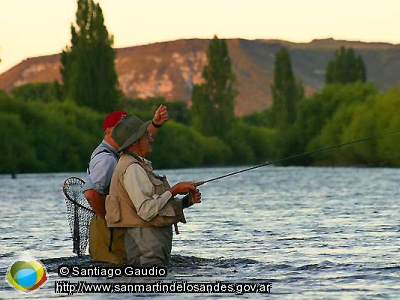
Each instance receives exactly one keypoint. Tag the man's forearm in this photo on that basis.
(96, 201)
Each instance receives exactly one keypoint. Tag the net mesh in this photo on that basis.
(79, 213)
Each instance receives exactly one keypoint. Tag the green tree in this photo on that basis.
(376, 116)
(88, 67)
(345, 68)
(214, 100)
(324, 118)
(179, 146)
(47, 137)
(251, 144)
(286, 90)
(17, 152)
(42, 91)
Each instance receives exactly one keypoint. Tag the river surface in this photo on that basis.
(313, 233)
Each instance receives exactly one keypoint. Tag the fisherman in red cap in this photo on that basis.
(107, 245)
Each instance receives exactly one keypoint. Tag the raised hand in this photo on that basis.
(161, 115)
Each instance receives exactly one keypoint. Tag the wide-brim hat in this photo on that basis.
(129, 130)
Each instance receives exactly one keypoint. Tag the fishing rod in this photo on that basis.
(299, 155)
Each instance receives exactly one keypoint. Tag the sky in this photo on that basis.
(31, 28)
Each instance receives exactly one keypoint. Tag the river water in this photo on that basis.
(313, 233)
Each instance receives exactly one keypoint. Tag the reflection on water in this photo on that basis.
(312, 232)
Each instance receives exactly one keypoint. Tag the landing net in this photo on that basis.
(79, 213)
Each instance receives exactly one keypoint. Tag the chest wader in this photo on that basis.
(106, 244)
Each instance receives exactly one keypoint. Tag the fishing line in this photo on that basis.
(300, 155)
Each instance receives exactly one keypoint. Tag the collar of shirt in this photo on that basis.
(146, 162)
(109, 147)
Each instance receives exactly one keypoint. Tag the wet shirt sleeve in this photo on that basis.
(101, 168)
(141, 192)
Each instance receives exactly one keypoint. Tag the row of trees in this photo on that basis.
(59, 136)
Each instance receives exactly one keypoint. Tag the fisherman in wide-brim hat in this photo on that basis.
(106, 245)
(141, 201)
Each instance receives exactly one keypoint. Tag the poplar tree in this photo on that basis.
(88, 67)
(214, 100)
(286, 90)
(345, 68)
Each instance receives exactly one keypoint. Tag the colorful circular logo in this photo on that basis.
(26, 275)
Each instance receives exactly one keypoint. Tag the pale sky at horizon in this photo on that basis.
(30, 28)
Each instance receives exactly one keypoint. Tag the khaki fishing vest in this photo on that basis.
(120, 211)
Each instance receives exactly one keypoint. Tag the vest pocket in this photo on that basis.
(113, 213)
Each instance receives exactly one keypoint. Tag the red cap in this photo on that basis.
(113, 118)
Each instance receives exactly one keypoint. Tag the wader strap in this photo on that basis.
(102, 151)
(111, 239)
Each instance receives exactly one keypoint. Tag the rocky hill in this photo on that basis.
(170, 69)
